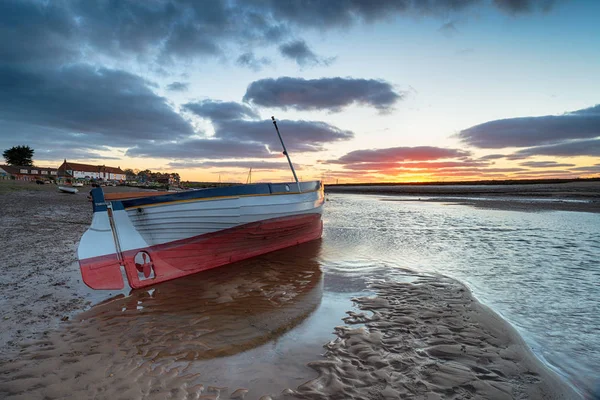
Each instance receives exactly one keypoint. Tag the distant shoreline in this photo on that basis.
(581, 195)
(470, 183)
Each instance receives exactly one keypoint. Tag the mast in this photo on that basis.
(286, 154)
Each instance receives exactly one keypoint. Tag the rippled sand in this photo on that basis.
(156, 343)
(428, 339)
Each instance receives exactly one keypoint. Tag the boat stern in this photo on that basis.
(99, 258)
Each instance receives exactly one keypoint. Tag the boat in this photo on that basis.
(158, 237)
(77, 184)
(68, 189)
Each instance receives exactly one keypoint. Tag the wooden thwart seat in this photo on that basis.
(130, 195)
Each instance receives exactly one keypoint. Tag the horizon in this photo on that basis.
(472, 90)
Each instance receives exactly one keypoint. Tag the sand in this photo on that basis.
(427, 339)
(41, 284)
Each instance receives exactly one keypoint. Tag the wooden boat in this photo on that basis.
(156, 238)
(68, 189)
(77, 184)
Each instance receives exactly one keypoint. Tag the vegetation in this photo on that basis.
(147, 176)
(19, 156)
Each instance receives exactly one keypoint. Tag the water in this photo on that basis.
(539, 270)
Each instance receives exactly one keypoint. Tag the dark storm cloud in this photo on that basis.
(249, 60)
(36, 32)
(237, 122)
(198, 148)
(344, 13)
(170, 30)
(534, 131)
(545, 164)
(299, 136)
(524, 6)
(220, 110)
(178, 86)
(395, 154)
(255, 165)
(299, 52)
(570, 149)
(93, 105)
(326, 93)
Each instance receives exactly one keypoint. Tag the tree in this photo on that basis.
(19, 155)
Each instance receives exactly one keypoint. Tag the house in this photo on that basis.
(25, 173)
(70, 170)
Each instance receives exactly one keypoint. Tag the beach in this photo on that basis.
(321, 320)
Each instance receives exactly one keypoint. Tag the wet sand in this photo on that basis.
(429, 339)
(227, 333)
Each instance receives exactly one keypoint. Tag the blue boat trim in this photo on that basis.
(229, 191)
(98, 202)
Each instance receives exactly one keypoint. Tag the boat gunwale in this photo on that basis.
(256, 190)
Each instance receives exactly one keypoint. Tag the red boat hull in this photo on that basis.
(148, 266)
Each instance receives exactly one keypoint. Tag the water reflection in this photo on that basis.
(217, 313)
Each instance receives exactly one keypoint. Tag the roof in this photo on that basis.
(90, 168)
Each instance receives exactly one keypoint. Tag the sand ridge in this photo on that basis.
(429, 339)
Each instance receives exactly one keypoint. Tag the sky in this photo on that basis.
(363, 91)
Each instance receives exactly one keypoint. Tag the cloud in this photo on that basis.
(249, 60)
(524, 6)
(199, 148)
(380, 166)
(335, 14)
(166, 31)
(299, 52)
(45, 154)
(589, 169)
(545, 164)
(534, 131)
(326, 93)
(589, 147)
(397, 154)
(36, 32)
(85, 106)
(255, 165)
(220, 110)
(492, 157)
(545, 172)
(299, 136)
(237, 122)
(178, 86)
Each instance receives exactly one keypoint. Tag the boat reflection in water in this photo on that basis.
(219, 312)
